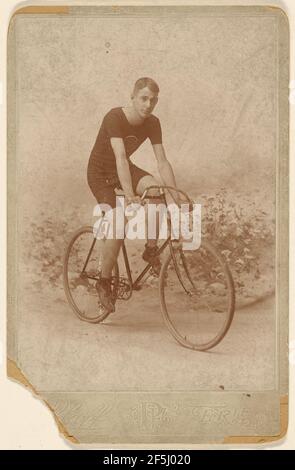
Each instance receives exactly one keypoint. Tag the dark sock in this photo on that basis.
(151, 248)
(105, 282)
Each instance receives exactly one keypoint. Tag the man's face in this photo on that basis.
(144, 102)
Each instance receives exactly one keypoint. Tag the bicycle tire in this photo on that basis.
(70, 284)
(175, 315)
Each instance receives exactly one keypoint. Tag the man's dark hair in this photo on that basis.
(146, 82)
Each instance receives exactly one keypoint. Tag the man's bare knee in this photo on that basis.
(145, 183)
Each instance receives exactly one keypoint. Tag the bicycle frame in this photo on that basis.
(135, 284)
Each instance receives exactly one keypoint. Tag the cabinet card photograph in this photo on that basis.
(148, 220)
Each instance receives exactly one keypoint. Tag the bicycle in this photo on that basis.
(196, 288)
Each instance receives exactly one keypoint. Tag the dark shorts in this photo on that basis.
(103, 186)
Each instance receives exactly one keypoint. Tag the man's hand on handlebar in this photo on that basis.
(180, 200)
(133, 199)
(179, 197)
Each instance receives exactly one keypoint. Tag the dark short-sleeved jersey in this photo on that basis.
(116, 124)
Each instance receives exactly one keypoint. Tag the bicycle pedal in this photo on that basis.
(154, 273)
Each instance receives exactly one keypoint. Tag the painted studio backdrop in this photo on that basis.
(218, 109)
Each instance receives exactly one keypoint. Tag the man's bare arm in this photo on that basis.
(122, 166)
(166, 172)
(164, 167)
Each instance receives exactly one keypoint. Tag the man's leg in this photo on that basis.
(110, 251)
(144, 183)
(150, 253)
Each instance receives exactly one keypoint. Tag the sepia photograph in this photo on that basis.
(148, 220)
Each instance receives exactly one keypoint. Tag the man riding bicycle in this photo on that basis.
(122, 131)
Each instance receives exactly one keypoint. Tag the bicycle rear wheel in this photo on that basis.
(197, 296)
(82, 270)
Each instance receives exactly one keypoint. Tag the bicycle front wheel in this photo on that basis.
(82, 270)
(197, 296)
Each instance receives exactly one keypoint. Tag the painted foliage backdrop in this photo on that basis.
(218, 92)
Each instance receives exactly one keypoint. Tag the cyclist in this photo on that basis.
(122, 131)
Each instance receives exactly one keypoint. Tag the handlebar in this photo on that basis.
(169, 189)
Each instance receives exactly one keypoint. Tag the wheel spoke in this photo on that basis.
(82, 270)
(199, 309)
